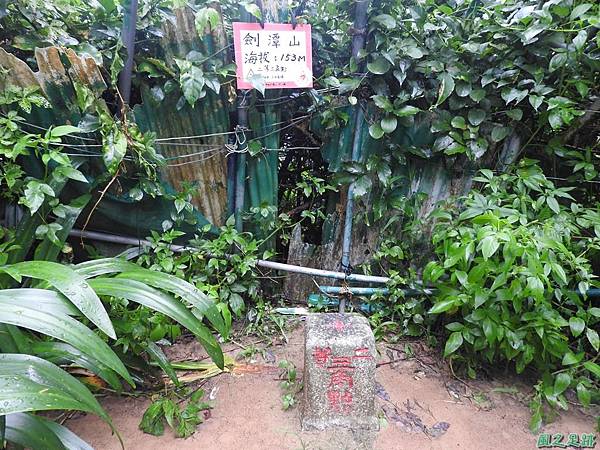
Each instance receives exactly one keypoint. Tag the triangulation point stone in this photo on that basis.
(339, 373)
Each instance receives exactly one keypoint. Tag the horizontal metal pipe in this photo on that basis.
(261, 263)
(371, 291)
(322, 273)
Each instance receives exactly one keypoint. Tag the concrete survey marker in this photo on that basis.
(339, 373)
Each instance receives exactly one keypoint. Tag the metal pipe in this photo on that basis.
(105, 237)
(128, 38)
(240, 164)
(372, 291)
(358, 42)
(321, 273)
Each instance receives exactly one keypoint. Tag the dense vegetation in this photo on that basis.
(500, 95)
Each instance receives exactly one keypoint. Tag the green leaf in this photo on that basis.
(379, 66)
(512, 94)
(476, 116)
(592, 367)
(580, 10)
(515, 114)
(60, 353)
(570, 358)
(63, 130)
(64, 328)
(489, 245)
(137, 291)
(453, 343)
(386, 20)
(579, 40)
(407, 110)
(253, 9)
(114, 147)
(29, 431)
(71, 285)
(49, 249)
(499, 133)
(561, 383)
(389, 124)
(24, 377)
(553, 204)
(443, 305)
(459, 122)
(163, 362)
(535, 101)
(594, 340)
(584, 395)
(557, 61)
(206, 18)
(152, 420)
(189, 293)
(376, 131)
(577, 325)
(446, 87)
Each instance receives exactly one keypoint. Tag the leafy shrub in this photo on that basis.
(512, 271)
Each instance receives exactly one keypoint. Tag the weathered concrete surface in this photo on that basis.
(339, 373)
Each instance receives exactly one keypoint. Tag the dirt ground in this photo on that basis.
(421, 406)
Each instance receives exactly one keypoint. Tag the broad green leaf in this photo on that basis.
(577, 325)
(202, 304)
(453, 343)
(515, 114)
(553, 204)
(24, 377)
(379, 66)
(570, 358)
(253, 9)
(446, 87)
(376, 131)
(594, 340)
(580, 10)
(584, 395)
(476, 116)
(442, 306)
(489, 245)
(389, 124)
(579, 40)
(459, 122)
(69, 283)
(138, 292)
(561, 383)
(61, 353)
(592, 367)
(206, 18)
(44, 300)
(499, 133)
(557, 61)
(30, 431)
(386, 20)
(407, 110)
(535, 101)
(63, 328)
(63, 130)
(114, 147)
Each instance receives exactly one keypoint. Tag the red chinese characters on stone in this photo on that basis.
(321, 356)
(341, 380)
(340, 401)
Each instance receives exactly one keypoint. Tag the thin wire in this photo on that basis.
(199, 136)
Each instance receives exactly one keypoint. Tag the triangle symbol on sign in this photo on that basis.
(250, 73)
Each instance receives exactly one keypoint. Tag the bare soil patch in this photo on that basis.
(421, 404)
